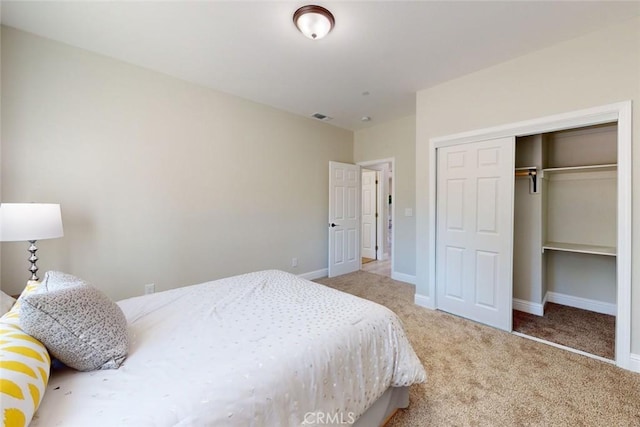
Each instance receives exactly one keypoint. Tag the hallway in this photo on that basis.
(381, 268)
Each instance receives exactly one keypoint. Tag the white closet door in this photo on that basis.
(474, 241)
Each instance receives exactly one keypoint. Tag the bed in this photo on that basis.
(261, 349)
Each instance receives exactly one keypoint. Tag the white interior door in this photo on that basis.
(474, 230)
(369, 213)
(344, 218)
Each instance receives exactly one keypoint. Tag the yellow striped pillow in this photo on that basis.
(24, 369)
(13, 316)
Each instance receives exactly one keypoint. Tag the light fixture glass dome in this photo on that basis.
(315, 22)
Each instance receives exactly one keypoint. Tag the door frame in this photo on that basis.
(391, 160)
(621, 113)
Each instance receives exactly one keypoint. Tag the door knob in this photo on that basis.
(333, 225)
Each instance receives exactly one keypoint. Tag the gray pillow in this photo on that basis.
(54, 280)
(79, 325)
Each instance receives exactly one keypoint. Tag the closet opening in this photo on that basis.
(565, 237)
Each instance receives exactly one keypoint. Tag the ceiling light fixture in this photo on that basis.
(313, 21)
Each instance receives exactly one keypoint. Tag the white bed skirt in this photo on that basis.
(392, 399)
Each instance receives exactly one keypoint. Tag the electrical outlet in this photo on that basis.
(294, 262)
(149, 289)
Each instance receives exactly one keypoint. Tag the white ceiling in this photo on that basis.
(252, 49)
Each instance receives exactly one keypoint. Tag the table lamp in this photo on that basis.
(30, 222)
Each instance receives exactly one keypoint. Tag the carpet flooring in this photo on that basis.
(584, 330)
(481, 376)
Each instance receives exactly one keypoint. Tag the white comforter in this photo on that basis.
(261, 349)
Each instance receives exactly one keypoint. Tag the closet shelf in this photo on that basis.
(590, 168)
(582, 249)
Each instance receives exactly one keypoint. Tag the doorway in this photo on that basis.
(377, 215)
(564, 262)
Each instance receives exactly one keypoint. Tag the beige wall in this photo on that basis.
(395, 139)
(160, 181)
(0, 147)
(593, 70)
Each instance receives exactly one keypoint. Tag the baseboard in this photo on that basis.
(423, 301)
(407, 278)
(583, 303)
(528, 307)
(315, 274)
(634, 362)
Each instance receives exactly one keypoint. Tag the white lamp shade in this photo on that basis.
(30, 221)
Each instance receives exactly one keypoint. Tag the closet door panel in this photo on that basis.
(454, 266)
(488, 205)
(475, 230)
(487, 279)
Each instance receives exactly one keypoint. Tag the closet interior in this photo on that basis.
(565, 234)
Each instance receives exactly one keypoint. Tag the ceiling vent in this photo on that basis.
(322, 117)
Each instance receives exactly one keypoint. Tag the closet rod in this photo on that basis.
(533, 174)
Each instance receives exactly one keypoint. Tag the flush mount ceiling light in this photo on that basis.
(313, 21)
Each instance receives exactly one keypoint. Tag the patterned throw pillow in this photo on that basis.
(79, 325)
(24, 368)
(54, 280)
(13, 316)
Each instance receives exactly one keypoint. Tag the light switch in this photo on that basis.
(408, 212)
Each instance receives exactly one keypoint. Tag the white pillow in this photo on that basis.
(6, 302)
(79, 325)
